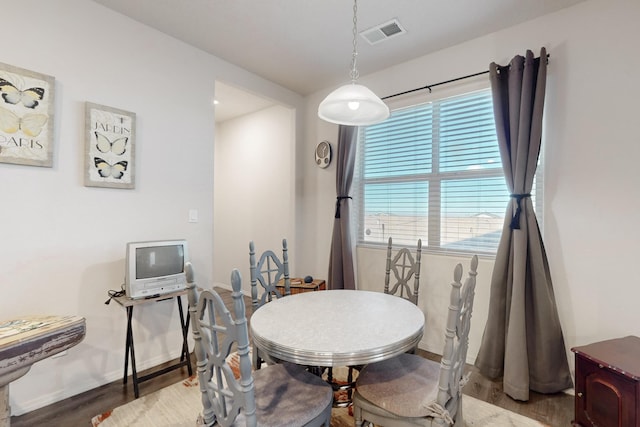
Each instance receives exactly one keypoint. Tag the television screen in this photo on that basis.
(158, 261)
(155, 267)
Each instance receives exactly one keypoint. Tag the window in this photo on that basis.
(433, 171)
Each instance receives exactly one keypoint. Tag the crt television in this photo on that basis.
(155, 268)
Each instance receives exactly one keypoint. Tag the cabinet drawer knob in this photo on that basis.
(580, 394)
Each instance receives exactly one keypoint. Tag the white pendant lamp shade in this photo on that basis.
(353, 105)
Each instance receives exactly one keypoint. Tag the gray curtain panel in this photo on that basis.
(341, 274)
(523, 339)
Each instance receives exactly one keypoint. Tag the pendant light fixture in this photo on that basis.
(353, 104)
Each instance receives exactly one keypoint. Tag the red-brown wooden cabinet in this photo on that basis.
(608, 383)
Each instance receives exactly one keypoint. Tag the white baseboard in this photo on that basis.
(82, 386)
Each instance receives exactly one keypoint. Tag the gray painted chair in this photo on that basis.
(265, 275)
(415, 391)
(404, 267)
(268, 397)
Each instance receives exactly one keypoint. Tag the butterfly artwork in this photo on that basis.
(104, 145)
(106, 169)
(110, 139)
(30, 124)
(27, 117)
(30, 98)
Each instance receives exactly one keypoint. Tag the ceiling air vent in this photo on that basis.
(383, 32)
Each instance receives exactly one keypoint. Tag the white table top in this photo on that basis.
(337, 327)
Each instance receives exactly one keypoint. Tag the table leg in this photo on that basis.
(185, 333)
(128, 342)
(134, 372)
(130, 351)
(5, 409)
(338, 387)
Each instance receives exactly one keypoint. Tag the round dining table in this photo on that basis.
(337, 327)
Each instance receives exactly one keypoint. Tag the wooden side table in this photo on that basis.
(608, 383)
(27, 340)
(298, 285)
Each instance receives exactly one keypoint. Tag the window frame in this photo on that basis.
(434, 216)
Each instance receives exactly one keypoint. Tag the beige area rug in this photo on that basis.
(179, 405)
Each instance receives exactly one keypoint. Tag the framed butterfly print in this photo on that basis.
(109, 147)
(26, 116)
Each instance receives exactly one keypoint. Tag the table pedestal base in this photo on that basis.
(5, 380)
(343, 386)
(5, 409)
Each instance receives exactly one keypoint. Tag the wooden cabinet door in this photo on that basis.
(604, 398)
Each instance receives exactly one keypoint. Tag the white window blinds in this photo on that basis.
(433, 171)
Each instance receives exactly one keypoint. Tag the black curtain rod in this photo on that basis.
(436, 84)
(441, 83)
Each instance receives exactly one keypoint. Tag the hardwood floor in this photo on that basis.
(554, 410)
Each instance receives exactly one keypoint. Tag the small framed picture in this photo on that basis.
(26, 117)
(109, 147)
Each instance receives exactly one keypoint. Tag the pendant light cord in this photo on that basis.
(354, 55)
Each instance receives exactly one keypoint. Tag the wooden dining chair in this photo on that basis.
(266, 274)
(268, 397)
(409, 390)
(404, 267)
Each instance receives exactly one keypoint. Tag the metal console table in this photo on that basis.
(185, 360)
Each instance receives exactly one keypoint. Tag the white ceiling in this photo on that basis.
(233, 102)
(305, 45)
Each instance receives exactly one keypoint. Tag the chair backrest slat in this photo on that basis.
(404, 267)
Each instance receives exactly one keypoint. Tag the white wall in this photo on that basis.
(62, 244)
(592, 147)
(254, 190)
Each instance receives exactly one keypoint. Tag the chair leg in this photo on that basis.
(357, 416)
(257, 360)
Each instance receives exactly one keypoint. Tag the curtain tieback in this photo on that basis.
(338, 200)
(515, 221)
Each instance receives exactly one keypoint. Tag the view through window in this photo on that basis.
(433, 171)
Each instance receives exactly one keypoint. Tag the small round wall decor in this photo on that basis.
(323, 154)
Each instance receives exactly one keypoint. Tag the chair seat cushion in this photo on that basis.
(405, 385)
(300, 396)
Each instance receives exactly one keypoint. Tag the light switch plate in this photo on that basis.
(193, 215)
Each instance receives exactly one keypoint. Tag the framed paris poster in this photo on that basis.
(26, 116)
(109, 147)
